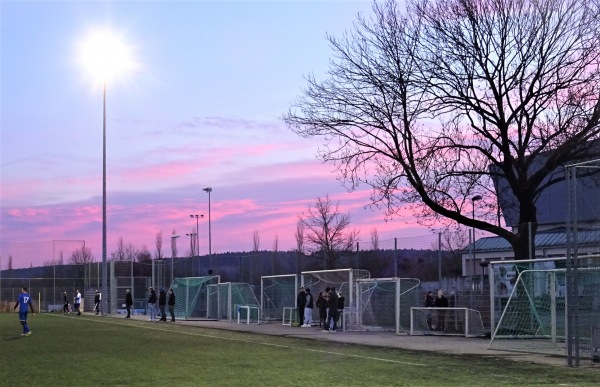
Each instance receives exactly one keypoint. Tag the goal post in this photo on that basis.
(342, 279)
(446, 321)
(224, 299)
(384, 304)
(276, 293)
(191, 296)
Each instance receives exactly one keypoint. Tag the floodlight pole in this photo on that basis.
(104, 262)
(209, 190)
(173, 241)
(473, 200)
(197, 253)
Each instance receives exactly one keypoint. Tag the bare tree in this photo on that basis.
(158, 244)
(55, 261)
(512, 84)
(143, 255)
(130, 253)
(327, 230)
(299, 237)
(9, 264)
(82, 256)
(374, 239)
(119, 255)
(255, 241)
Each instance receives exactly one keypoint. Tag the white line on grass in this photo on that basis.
(256, 342)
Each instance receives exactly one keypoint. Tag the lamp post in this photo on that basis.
(173, 241)
(197, 233)
(192, 235)
(104, 261)
(104, 55)
(209, 190)
(473, 200)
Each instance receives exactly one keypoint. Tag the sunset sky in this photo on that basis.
(202, 109)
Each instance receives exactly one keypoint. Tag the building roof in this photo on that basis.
(545, 239)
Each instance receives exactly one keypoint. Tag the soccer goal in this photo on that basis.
(344, 281)
(224, 299)
(191, 296)
(384, 304)
(534, 316)
(276, 293)
(446, 321)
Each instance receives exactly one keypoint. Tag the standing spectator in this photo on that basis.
(128, 303)
(429, 303)
(301, 304)
(97, 299)
(308, 309)
(322, 306)
(171, 303)
(441, 302)
(333, 311)
(162, 302)
(152, 303)
(326, 296)
(66, 303)
(24, 304)
(77, 302)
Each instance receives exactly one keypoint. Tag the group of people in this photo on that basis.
(76, 303)
(164, 300)
(329, 304)
(440, 302)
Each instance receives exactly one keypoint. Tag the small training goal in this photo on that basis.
(446, 321)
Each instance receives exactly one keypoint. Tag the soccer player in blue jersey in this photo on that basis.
(24, 303)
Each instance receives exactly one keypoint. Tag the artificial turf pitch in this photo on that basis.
(93, 351)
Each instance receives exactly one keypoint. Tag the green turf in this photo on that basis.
(92, 351)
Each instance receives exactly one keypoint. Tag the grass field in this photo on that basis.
(93, 351)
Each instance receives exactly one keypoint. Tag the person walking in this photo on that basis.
(162, 303)
(128, 303)
(97, 299)
(152, 303)
(308, 309)
(301, 304)
(24, 304)
(66, 303)
(322, 306)
(77, 302)
(171, 303)
(333, 311)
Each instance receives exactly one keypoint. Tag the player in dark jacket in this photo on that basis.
(162, 302)
(171, 303)
(152, 303)
(128, 303)
(333, 310)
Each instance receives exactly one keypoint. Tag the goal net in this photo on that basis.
(277, 292)
(224, 299)
(446, 321)
(534, 316)
(384, 304)
(191, 295)
(343, 280)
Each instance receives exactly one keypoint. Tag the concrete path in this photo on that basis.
(434, 343)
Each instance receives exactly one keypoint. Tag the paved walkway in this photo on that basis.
(434, 343)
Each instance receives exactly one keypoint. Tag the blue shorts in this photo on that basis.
(22, 316)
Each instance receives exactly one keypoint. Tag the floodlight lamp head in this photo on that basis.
(175, 236)
(207, 189)
(476, 197)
